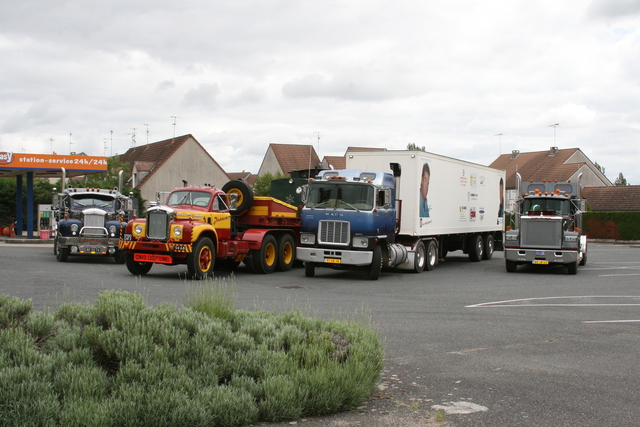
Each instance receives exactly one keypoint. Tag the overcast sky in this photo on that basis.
(448, 75)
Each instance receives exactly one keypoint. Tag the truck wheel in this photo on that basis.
(572, 268)
(119, 257)
(309, 269)
(489, 246)
(476, 249)
(265, 258)
(61, 253)
(200, 262)
(376, 264)
(420, 257)
(243, 192)
(137, 268)
(511, 266)
(286, 252)
(432, 256)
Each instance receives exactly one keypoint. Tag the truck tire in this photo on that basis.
(201, 261)
(61, 253)
(376, 264)
(511, 266)
(489, 246)
(309, 269)
(476, 248)
(286, 252)
(432, 256)
(572, 268)
(265, 258)
(420, 258)
(137, 268)
(244, 193)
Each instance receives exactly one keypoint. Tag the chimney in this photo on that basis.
(515, 154)
(553, 151)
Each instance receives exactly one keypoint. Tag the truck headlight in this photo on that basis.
(360, 242)
(307, 238)
(572, 239)
(138, 228)
(512, 236)
(112, 230)
(74, 227)
(177, 231)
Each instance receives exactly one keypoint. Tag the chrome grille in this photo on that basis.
(336, 232)
(94, 224)
(157, 225)
(541, 232)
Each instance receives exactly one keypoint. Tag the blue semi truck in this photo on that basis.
(400, 210)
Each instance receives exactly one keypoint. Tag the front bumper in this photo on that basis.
(541, 256)
(334, 257)
(89, 245)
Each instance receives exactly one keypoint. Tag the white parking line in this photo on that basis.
(610, 321)
(518, 302)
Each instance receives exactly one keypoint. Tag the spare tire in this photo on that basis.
(243, 193)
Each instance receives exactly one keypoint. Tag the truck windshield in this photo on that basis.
(193, 198)
(84, 201)
(555, 206)
(340, 196)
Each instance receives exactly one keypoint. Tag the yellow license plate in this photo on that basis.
(332, 260)
(541, 262)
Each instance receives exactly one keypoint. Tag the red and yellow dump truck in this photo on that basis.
(206, 227)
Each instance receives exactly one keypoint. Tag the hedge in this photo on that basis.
(623, 225)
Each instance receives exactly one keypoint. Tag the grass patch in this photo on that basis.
(120, 362)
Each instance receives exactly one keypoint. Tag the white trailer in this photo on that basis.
(463, 208)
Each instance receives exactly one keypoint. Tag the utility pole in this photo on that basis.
(499, 135)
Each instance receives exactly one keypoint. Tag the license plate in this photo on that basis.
(164, 259)
(539, 253)
(332, 260)
(541, 262)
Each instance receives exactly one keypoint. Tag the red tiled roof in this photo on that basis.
(617, 198)
(338, 162)
(293, 157)
(537, 166)
(248, 177)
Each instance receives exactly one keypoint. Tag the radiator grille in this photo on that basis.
(541, 233)
(157, 225)
(336, 232)
(94, 224)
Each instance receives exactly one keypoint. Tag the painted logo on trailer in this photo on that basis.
(5, 158)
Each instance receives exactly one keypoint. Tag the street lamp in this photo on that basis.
(554, 132)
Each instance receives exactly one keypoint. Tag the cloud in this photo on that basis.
(205, 95)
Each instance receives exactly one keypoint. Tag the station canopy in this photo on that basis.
(49, 165)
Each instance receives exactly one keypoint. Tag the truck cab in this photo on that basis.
(548, 226)
(89, 221)
(349, 220)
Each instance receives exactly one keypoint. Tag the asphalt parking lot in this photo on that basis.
(467, 344)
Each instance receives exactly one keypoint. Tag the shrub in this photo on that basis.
(120, 362)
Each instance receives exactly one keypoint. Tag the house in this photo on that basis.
(616, 198)
(553, 164)
(283, 158)
(164, 165)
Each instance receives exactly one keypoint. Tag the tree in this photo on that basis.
(620, 181)
(262, 184)
(600, 168)
(412, 146)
